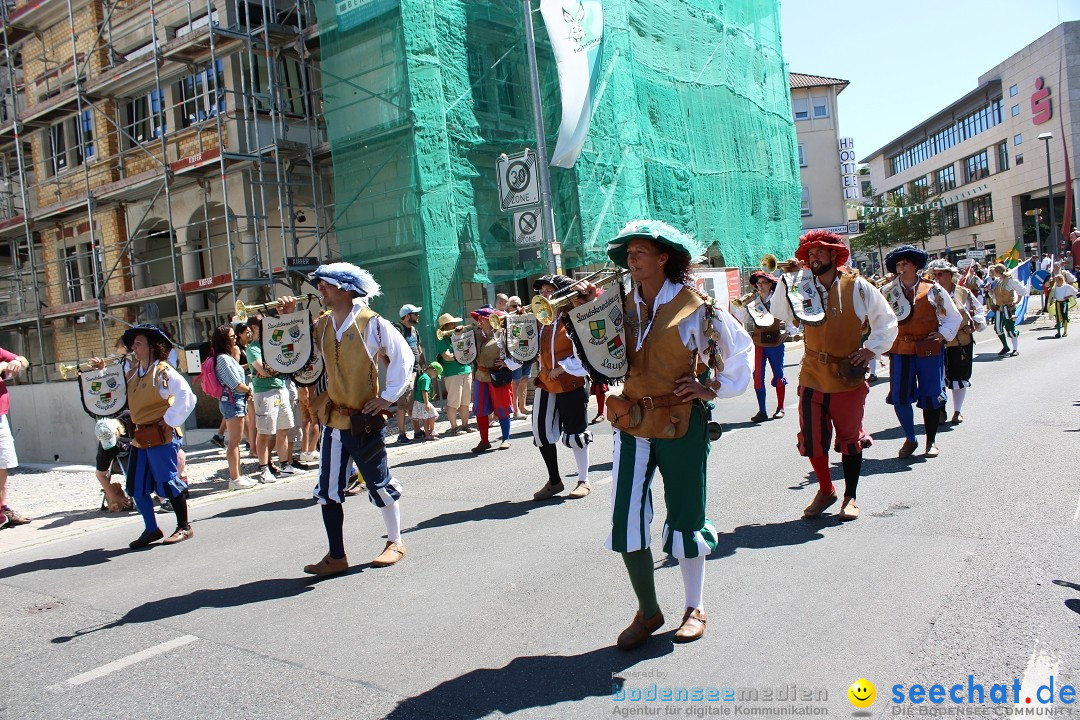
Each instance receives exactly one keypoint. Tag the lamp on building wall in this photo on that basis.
(1046, 137)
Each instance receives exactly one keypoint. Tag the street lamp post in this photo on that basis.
(1046, 137)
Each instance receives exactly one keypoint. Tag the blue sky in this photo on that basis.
(907, 60)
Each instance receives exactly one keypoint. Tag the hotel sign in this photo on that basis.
(849, 171)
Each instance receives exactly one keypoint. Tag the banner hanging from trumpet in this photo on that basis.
(312, 372)
(286, 341)
(894, 295)
(800, 289)
(104, 392)
(599, 334)
(463, 344)
(522, 336)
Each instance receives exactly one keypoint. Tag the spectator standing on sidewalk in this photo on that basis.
(10, 367)
(410, 316)
(233, 401)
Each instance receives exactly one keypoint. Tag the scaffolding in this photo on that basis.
(159, 159)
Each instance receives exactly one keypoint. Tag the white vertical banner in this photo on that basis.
(576, 30)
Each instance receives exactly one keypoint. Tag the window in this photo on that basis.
(946, 178)
(1003, 155)
(1019, 158)
(821, 107)
(1017, 139)
(79, 272)
(898, 192)
(62, 148)
(507, 86)
(920, 183)
(144, 119)
(963, 129)
(976, 167)
(289, 79)
(805, 201)
(950, 218)
(1013, 90)
(980, 210)
(476, 79)
(802, 155)
(202, 95)
(1014, 111)
(71, 275)
(801, 107)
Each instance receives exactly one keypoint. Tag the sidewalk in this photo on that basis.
(65, 500)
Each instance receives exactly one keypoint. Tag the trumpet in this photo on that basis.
(882, 281)
(769, 264)
(243, 311)
(440, 333)
(67, 371)
(546, 309)
(739, 302)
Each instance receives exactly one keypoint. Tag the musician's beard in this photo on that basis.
(820, 268)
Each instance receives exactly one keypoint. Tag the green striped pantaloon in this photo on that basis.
(688, 533)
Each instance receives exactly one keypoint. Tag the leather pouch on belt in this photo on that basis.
(623, 414)
(148, 436)
(665, 423)
(362, 424)
(850, 375)
(928, 347)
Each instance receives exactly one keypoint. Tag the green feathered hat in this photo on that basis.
(657, 231)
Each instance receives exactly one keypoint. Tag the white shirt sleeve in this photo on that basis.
(950, 324)
(183, 397)
(384, 337)
(734, 344)
(978, 312)
(876, 311)
(573, 366)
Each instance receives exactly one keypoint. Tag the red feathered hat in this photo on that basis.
(762, 275)
(825, 239)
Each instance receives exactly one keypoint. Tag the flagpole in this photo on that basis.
(547, 211)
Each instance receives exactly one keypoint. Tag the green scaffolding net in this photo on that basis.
(692, 125)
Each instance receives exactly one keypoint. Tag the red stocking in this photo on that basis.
(824, 475)
(482, 426)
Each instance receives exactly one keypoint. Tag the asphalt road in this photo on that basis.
(961, 565)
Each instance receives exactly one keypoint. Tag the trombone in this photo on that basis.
(546, 309)
(440, 333)
(243, 311)
(67, 371)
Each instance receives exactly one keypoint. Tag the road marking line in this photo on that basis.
(130, 660)
(1040, 667)
(1076, 515)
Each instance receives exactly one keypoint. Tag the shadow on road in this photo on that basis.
(529, 682)
(86, 558)
(770, 535)
(246, 594)
(502, 510)
(887, 466)
(68, 517)
(290, 504)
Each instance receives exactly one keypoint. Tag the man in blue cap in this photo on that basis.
(353, 410)
(917, 356)
(410, 316)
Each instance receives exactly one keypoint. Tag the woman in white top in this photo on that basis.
(1061, 295)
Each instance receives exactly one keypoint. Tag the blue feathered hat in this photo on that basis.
(906, 252)
(657, 231)
(348, 277)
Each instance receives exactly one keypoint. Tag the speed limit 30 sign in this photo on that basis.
(519, 182)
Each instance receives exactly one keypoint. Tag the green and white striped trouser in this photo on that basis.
(688, 533)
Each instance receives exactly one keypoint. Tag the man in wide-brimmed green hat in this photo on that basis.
(673, 334)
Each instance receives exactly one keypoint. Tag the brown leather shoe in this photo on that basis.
(932, 451)
(907, 449)
(328, 566)
(391, 554)
(818, 504)
(849, 510)
(549, 491)
(639, 630)
(692, 628)
(582, 489)
(180, 535)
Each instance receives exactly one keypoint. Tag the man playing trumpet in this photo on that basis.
(768, 344)
(832, 384)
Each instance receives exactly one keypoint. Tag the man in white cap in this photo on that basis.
(410, 316)
(353, 409)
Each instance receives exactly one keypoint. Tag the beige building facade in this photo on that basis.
(983, 158)
(825, 159)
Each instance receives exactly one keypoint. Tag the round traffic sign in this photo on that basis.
(518, 176)
(527, 223)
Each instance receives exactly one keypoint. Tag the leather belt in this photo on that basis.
(650, 402)
(823, 357)
(909, 338)
(343, 409)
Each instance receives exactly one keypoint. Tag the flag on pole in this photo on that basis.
(1022, 273)
(576, 30)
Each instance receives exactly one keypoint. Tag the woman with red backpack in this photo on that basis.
(233, 392)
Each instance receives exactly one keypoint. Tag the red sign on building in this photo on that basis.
(1041, 106)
